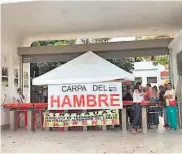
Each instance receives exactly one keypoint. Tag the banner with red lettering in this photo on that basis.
(103, 117)
(106, 95)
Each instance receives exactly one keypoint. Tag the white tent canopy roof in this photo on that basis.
(87, 68)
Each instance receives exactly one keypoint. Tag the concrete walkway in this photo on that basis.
(155, 141)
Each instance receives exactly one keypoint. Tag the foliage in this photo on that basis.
(37, 69)
(92, 41)
(53, 43)
(153, 37)
(163, 60)
(125, 64)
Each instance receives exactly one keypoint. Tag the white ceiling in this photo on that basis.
(47, 19)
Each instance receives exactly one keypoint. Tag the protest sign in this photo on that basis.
(103, 117)
(106, 95)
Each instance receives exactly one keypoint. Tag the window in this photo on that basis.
(138, 79)
(151, 79)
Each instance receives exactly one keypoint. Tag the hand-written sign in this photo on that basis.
(85, 96)
(103, 117)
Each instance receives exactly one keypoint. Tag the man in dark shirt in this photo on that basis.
(163, 103)
(129, 97)
(161, 95)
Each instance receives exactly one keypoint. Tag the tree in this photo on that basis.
(163, 60)
(37, 69)
(125, 64)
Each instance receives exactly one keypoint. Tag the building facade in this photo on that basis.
(145, 72)
(24, 23)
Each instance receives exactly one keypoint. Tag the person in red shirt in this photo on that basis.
(148, 92)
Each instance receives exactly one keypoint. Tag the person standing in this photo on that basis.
(149, 90)
(129, 97)
(163, 104)
(154, 109)
(165, 87)
(45, 94)
(137, 99)
(20, 98)
(171, 106)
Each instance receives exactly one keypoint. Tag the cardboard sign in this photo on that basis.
(104, 117)
(85, 96)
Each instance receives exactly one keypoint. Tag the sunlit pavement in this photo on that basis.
(113, 141)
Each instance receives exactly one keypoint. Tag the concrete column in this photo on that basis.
(120, 118)
(144, 119)
(180, 102)
(21, 71)
(179, 96)
(12, 120)
(179, 115)
(171, 67)
(30, 120)
(124, 119)
(84, 127)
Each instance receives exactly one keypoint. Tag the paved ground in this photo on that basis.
(155, 141)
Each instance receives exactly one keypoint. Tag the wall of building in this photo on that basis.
(175, 47)
(10, 68)
(147, 69)
(10, 81)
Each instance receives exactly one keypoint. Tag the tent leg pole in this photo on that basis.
(65, 128)
(84, 127)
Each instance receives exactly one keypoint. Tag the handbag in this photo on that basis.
(172, 103)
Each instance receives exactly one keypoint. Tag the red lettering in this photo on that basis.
(91, 101)
(56, 124)
(57, 101)
(112, 99)
(78, 102)
(46, 124)
(94, 122)
(84, 122)
(66, 101)
(75, 123)
(114, 122)
(102, 98)
(104, 122)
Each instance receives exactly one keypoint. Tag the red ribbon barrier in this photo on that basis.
(44, 105)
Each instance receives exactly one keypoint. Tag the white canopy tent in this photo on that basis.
(87, 68)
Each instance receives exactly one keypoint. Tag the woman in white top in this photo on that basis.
(171, 108)
(137, 99)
